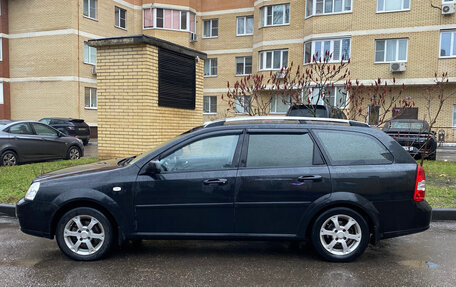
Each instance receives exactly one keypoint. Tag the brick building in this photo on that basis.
(49, 70)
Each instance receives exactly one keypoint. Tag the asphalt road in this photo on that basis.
(425, 259)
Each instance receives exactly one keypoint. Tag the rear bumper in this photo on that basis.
(35, 217)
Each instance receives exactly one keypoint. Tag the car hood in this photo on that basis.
(80, 170)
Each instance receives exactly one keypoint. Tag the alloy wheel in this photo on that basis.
(74, 153)
(84, 234)
(340, 234)
(9, 159)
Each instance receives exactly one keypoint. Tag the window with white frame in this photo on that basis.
(210, 28)
(392, 5)
(244, 25)
(337, 50)
(243, 66)
(1, 94)
(447, 44)
(90, 8)
(242, 105)
(454, 112)
(391, 50)
(322, 7)
(210, 67)
(275, 15)
(336, 97)
(1, 49)
(158, 18)
(210, 104)
(120, 17)
(90, 98)
(273, 59)
(279, 104)
(90, 54)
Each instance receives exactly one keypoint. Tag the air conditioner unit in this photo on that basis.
(94, 70)
(397, 67)
(280, 74)
(447, 9)
(193, 37)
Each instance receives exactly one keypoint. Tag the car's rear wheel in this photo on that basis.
(9, 158)
(340, 234)
(84, 234)
(73, 153)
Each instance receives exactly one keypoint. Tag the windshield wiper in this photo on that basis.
(126, 160)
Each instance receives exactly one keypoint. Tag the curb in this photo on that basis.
(8, 209)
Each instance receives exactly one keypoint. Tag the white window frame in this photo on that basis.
(453, 35)
(244, 58)
(210, 112)
(331, 49)
(154, 19)
(210, 61)
(120, 17)
(334, 90)
(88, 9)
(264, 15)
(1, 48)
(211, 21)
(314, 9)
(397, 51)
(245, 25)
(245, 111)
(453, 119)
(263, 55)
(2, 101)
(275, 99)
(390, 11)
(91, 90)
(90, 50)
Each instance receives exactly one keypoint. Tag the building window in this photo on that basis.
(1, 49)
(169, 19)
(91, 98)
(90, 54)
(244, 25)
(392, 5)
(447, 44)
(279, 104)
(392, 50)
(275, 15)
(210, 104)
(323, 7)
(338, 48)
(273, 59)
(210, 67)
(90, 8)
(243, 66)
(120, 17)
(336, 97)
(242, 105)
(454, 112)
(210, 28)
(1, 94)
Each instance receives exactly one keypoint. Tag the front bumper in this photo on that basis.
(35, 217)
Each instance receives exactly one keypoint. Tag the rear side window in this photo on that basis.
(21, 129)
(351, 148)
(280, 150)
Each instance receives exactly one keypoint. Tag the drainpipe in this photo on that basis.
(79, 59)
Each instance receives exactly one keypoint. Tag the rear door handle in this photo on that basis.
(219, 181)
(310, 177)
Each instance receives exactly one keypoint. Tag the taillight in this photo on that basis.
(420, 186)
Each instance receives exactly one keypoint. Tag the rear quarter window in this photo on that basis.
(353, 148)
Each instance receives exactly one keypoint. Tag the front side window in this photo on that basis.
(392, 5)
(279, 150)
(210, 104)
(273, 60)
(243, 66)
(333, 50)
(214, 153)
(43, 130)
(210, 28)
(90, 54)
(21, 129)
(242, 105)
(169, 19)
(120, 16)
(244, 25)
(448, 44)
(322, 7)
(90, 8)
(275, 15)
(391, 50)
(279, 104)
(90, 98)
(351, 148)
(210, 67)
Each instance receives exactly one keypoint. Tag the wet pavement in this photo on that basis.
(91, 150)
(424, 259)
(446, 153)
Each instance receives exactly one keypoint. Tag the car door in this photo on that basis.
(51, 144)
(280, 175)
(23, 139)
(194, 193)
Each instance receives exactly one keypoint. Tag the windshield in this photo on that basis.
(406, 125)
(308, 112)
(141, 156)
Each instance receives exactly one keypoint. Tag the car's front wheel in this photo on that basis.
(73, 153)
(340, 234)
(84, 234)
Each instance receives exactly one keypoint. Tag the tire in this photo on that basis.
(74, 234)
(73, 153)
(85, 142)
(9, 158)
(325, 233)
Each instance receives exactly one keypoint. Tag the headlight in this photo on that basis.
(32, 191)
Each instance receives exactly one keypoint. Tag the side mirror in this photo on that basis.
(153, 167)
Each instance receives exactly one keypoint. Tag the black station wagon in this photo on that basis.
(337, 183)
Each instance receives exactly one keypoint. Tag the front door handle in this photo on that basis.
(310, 177)
(219, 181)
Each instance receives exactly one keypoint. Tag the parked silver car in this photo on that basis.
(28, 141)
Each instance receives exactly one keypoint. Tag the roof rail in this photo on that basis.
(266, 119)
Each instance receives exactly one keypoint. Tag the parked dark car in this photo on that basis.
(73, 127)
(340, 186)
(414, 136)
(25, 141)
(318, 111)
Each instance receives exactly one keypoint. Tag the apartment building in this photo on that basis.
(49, 70)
